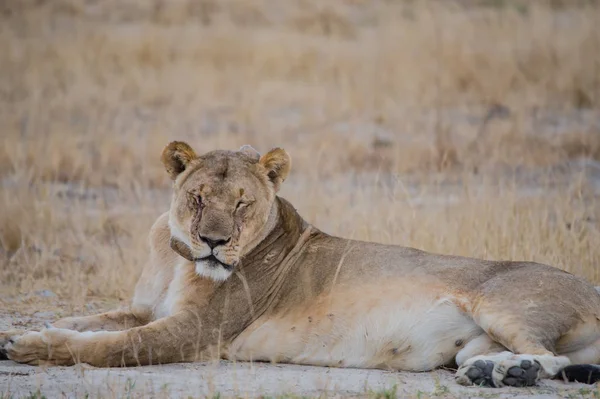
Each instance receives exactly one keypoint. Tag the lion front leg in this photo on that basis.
(168, 340)
(115, 320)
(5, 338)
(110, 321)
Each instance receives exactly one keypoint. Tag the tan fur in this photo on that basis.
(236, 273)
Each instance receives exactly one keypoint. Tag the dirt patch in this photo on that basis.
(255, 380)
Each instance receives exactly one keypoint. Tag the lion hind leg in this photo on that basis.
(485, 362)
(589, 354)
(530, 343)
(525, 357)
(480, 345)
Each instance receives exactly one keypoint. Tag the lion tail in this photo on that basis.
(583, 373)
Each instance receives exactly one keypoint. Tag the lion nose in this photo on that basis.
(214, 242)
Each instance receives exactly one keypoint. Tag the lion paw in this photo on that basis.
(48, 346)
(5, 338)
(504, 369)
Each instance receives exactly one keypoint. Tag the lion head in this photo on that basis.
(222, 204)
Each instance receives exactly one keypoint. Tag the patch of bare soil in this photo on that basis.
(254, 380)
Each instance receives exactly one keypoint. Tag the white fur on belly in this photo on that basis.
(398, 324)
(395, 337)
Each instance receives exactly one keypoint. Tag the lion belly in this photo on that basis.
(398, 325)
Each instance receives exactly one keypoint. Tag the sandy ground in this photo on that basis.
(252, 380)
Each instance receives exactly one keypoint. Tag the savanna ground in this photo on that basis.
(461, 127)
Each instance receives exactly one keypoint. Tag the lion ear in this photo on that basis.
(278, 163)
(250, 151)
(176, 157)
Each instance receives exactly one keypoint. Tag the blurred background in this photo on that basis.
(467, 127)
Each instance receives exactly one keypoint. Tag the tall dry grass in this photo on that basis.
(414, 122)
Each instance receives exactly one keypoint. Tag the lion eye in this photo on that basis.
(195, 201)
(243, 204)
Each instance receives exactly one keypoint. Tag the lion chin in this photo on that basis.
(213, 269)
(299, 295)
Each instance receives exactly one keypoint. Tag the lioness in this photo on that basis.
(236, 273)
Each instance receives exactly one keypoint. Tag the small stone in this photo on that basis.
(44, 315)
(45, 293)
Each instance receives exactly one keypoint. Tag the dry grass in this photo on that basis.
(443, 108)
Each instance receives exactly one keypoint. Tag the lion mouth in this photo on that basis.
(185, 252)
(212, 261)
